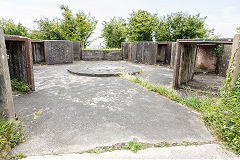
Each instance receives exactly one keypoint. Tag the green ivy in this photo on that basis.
(219, 49)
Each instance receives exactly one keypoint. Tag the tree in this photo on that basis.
(141, 26)
(47, 30)
(182, 26)
(77, 28)
(10, 28)
(114, 32)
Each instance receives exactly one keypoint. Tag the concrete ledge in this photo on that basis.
(104, 69)
(98, 55)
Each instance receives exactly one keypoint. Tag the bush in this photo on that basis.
(11, 133)
(224, 117)
(19, 86)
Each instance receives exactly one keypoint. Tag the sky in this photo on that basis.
(222, 15)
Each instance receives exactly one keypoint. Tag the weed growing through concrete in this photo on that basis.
(37, 114)
(16, 156)
(136, 146)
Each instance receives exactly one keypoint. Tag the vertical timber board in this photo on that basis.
(177, 63)
(187, 63)
(151, 53)
(77, 50)
(30, 64)
(168, 53)
(140, 48)
(130, 51)
(173, 53)
(224, 60)
(133, 52)
(38, 54)
(6, 100)
(193, 59)
(235, 59)
(161, 53)
(125, 50)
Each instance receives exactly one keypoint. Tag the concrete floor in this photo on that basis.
(70, 113)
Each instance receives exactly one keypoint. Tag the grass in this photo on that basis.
(16, 156)
(11, 134)
(194, 101)
(222, 115)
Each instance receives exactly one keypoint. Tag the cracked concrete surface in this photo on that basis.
(208, 151)
(86, 112)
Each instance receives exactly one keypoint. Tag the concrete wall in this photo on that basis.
(58, 51)
(224, 60)
(77, 50)
(6, 100)
(206, 58)
(38, 52)
(110, 55)
(20, 59)
(125, 50)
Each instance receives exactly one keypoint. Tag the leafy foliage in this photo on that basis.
(114, 32)
(10, 28)
(78, 27)
(181, 26)
(47, 30)
(19, 86)
(11, 133)
(141, 26)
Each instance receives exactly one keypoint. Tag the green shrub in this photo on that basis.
(19, 86)
(11, 133)
(224, 117)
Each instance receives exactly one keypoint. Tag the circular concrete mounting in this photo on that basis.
(104, 68)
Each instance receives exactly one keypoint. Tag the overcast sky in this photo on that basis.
(223, 15)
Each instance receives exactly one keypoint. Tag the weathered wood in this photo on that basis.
(19, 50)
(6, 100)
